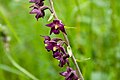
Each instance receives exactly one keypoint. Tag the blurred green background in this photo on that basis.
(94, 34)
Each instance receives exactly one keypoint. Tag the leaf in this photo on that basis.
(69, 51)
(86, 59)
(51, 16)
(69, 27)
(9, 69)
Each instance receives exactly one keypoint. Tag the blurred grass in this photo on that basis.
(95, 36)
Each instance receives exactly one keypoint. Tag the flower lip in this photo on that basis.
(56, 26)
(54, 48)
(46, 45)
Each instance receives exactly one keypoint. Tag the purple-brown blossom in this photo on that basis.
(49, 44)
(59, 52)
(39, 13)
(70, 74)
(56, 26)
(63, 58)
(38, 8)
(53, 44)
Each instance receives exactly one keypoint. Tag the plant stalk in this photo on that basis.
(14, 63)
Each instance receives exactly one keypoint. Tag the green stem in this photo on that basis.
(6, 45)
(53, 10)
(20, 68)
(9, 25)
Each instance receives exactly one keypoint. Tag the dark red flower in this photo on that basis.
(49, 44)
(52, 44)
(58, 48)
(70, 74)
(38, 10)
(63, 58)
(56, 26)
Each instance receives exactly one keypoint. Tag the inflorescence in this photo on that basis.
(55, 44)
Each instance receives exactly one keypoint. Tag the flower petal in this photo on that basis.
(64, 73)
(56, 31)
(57, 55)
(61, 27)
(51, 25)
(56, 21)
(52, 29)
(34, 11)
(47, 38)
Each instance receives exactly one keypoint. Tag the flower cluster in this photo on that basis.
(55, 44)
(59, 53)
